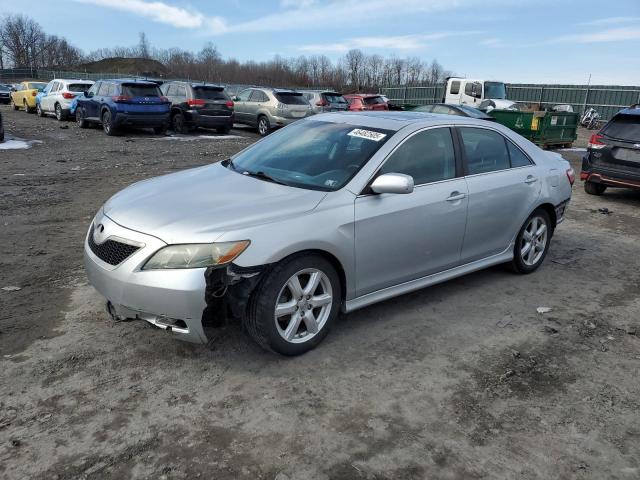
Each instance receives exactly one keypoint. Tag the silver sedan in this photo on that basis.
(329, 214)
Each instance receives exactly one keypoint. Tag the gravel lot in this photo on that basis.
(461, 380)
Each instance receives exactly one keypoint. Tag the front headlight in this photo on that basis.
(197, 255)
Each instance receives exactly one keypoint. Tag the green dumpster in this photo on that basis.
(545, 129)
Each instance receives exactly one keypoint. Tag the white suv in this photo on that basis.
(58, 95)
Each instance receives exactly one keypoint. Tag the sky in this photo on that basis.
(520, 41)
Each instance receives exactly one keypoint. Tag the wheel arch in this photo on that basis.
(551, 211)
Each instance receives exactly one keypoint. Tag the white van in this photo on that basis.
(466, 91)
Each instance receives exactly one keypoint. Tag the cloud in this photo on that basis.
(292, 15)
(163, 13)
(612, 21)
(400, 42)
(611, 35)
(492, 42)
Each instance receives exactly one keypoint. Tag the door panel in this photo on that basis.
(404, 237)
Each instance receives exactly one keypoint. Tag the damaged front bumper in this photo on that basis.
(182, 301)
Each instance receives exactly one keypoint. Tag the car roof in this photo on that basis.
(130, 80)
(72, 80)
(634, 110)
(363, 95)
(396, 120)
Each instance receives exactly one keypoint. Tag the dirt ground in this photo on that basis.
(461, 380)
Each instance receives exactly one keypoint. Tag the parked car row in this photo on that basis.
(180, 105)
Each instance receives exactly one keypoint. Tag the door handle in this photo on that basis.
(530, 179)
(455, 196)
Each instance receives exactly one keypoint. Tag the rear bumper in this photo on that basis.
(277, 121)
(209, 121)
(609, 176)
(141, 119)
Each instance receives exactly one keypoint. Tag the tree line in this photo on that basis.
(23, 44)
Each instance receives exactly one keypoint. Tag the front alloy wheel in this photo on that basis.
(294, 305)
(263, 126)
(532, 242)
(304, 305)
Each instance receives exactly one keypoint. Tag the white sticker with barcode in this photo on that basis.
(368, 134)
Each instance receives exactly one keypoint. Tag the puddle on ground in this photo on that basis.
(12, 143)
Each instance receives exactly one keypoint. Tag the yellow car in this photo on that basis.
(25, 95)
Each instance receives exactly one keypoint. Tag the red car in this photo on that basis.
(366, 101)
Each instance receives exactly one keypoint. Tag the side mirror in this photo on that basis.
(235, 98)
(393, 183)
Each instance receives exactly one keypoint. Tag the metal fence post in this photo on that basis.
(541, 95)
(586, 97)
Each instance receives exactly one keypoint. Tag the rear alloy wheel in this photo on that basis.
(293, 307)
(532, 242)
(107, 125)
(178, 123)
(60, 116)
(593, 188)
(263, 126)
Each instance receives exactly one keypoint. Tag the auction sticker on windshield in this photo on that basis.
(368, 134)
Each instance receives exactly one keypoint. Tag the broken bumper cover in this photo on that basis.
(173, 300)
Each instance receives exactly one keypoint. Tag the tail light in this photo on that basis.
(571, 175)
(322, 103)
(34, 93)
(196, 102)
(281, 106)
(121, 98)
(164, 99)
(68, 95)
(229, 103)
(584, 176)
(595, 142)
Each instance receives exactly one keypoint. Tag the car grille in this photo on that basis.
(111, 251)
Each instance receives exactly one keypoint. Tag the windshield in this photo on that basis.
(37, 86)
(495, 90)
(210, 93)
(291, 98)
(312, 154)
(334, 98)
(623, 127)
(79, 87)
(132, 90)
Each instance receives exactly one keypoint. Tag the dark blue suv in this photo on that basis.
(124, 103)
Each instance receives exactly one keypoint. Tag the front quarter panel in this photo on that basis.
(329, 228)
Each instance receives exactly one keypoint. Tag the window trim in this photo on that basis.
(505, 139)
(459, 173)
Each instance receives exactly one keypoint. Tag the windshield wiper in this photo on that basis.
(263, 176)
(229, 163)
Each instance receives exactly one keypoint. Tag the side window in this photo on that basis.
(518, 158)
(486, 150)
(455, 87)
(427, 156)
(468, 88)
(94, 88)
(104, 88)
(244, 95)
(181, 91)
(258, 96)
(164, 89)
(441, 109)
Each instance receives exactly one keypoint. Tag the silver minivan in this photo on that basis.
(269, 108)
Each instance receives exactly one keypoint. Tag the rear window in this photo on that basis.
(291, 98)
(37, 86)
(131, 90)
(373, 100)
(208, 93)
(623, 127)
(334, 98)
(79, 87)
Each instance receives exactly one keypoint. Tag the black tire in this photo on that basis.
(39, 111)
(160, 130)
(107, 124)
(259, 320)
(60, 115)
(80, 118)
(520, 264)
(264, 127)
(25, 105)
(593, 188)
(177, 123)
(13, 105)
(223, 130)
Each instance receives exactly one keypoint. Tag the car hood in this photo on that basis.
(199, 205)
